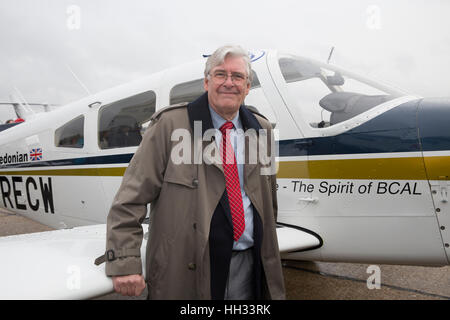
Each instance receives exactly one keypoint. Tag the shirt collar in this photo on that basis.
(218, 121)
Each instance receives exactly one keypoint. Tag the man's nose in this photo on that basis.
(228, 81)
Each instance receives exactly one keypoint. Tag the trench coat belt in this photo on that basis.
(112, 255)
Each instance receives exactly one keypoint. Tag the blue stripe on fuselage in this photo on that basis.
(97, 160)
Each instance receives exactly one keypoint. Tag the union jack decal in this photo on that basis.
(36, 154)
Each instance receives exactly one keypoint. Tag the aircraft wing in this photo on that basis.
(60, 264)
(55, 264)
(292, 238)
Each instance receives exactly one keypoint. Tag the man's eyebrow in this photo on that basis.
(232, 72)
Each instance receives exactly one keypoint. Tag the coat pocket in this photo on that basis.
(182, 174)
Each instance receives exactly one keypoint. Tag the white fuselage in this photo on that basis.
(362, 210)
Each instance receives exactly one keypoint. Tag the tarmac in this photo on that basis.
(316, 280)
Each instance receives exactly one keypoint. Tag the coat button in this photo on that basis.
(195, 183)
(192, 266)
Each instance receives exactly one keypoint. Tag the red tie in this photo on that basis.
(232, 182)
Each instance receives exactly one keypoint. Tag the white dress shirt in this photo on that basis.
(237, 139)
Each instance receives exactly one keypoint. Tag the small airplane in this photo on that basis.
(363, 171)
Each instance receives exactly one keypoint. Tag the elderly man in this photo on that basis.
(212, 225)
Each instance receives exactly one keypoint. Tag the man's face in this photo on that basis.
(226, 95)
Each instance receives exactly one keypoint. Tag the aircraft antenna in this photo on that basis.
(78, 80)
(329, 56)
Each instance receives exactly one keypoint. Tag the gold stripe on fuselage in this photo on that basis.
(438, 167)
(366, 169)
(412, 168)
(115, 172)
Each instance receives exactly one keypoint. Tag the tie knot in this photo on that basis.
(226, 126)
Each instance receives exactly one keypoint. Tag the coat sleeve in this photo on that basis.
(140, 185)
(274, 196)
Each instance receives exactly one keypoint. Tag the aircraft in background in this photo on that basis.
(22, 110)
(363, 171)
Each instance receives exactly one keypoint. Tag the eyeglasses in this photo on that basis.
(237, 78)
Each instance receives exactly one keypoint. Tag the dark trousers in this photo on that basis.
(240, 283)
(220, 251)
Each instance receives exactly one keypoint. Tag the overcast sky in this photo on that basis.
(105, 43)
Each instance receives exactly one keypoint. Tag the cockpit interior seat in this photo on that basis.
(346, 105)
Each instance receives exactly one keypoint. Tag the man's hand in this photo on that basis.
(132, 285)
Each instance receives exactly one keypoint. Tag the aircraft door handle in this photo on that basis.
(444, 197)
(310, 200)
(443, 188)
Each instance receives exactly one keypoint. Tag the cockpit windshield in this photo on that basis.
(327, 95)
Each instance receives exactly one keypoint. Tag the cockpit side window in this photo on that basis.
(71, 135)
(122, 123)
(326, 96)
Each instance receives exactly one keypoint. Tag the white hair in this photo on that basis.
(218, 58)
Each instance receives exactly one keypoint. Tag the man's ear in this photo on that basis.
(205, 83)
(248, 87)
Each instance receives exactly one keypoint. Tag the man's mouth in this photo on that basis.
(228, 92)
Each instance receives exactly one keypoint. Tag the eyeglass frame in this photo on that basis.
(231, 75)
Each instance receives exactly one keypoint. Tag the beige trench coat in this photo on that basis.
(183, 198)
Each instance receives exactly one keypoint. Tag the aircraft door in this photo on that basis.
(78, 193)
(434, 131)
(295, 197)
